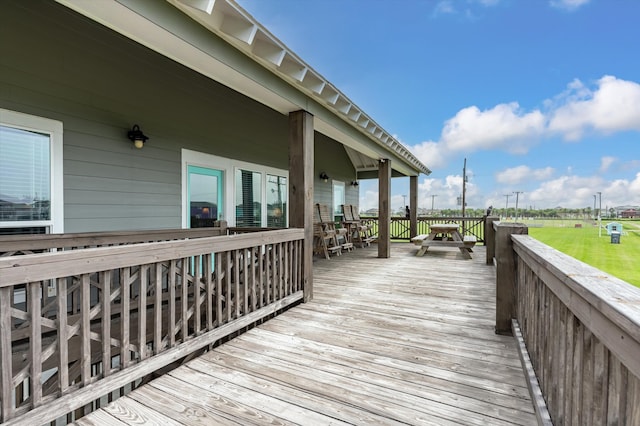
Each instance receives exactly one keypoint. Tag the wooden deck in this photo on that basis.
(405, 340)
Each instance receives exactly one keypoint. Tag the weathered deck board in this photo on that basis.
(405, 340)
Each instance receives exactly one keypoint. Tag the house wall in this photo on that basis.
(57, 64)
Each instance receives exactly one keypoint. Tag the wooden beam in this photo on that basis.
(490, 237)
(506, 275)
(384, 207)
(301, 169)
(413, 206)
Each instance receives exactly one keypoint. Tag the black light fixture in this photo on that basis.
(324, 177)
(354, 183)
(137, 137)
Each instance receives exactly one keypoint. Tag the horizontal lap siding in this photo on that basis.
(99, 84)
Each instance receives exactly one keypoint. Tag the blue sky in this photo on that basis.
(540, 96)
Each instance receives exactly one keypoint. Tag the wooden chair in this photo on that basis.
(357, 232)
(324, 242)
(367, 234)
(329, 225)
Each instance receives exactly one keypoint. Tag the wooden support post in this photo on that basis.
(301, 167)
(506, 275)
(413, 206)
(490, 237)
(384, 208)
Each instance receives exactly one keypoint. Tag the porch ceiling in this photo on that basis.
(335, 115)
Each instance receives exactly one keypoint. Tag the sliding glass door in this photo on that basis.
(205, 196)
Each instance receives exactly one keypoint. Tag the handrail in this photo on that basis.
(136, 307)
(580, 326)
(11, 245)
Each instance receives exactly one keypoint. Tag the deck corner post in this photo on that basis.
(384, 208)
(506, 275)
(413, 206)
(490, 237)
(301, 170)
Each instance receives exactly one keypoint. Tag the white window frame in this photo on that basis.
(54, 129)
(228, 166)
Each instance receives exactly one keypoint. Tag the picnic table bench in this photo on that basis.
(451, 237)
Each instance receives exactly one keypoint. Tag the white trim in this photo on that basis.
(228, 166)
(54, 129)
(335, 183)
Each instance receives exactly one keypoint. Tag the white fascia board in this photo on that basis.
(204, 5)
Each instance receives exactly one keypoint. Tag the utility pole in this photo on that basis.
(432, 198)
(506, 205)
(464, 186)
(404, 201)
(599, 215)
(517, 196)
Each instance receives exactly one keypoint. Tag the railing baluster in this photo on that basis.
(197, 300)
(35, 342)
(219, 320)
(171, 329)
(252, 277)
(142, 311)
(185, 299)
(246, 280)
(106, 321)
(6, 365)
(208, 260)
(261, 294)
(125, 300)
(85, 328)
(157, 309)
(237, 300)
(63, 335)
(227, 279)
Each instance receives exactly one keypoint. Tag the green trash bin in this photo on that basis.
(615, 237)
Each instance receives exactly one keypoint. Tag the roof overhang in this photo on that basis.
(155, 26)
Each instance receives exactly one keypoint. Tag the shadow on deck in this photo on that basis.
(404, 340)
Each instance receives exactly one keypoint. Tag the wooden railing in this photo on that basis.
(12, 245)
(117, 314)
(400, 226)
(580, 326)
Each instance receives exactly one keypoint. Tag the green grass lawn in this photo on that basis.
(620, 260)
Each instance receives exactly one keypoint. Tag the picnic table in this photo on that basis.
(445, 235)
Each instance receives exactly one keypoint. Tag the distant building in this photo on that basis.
(630, 214)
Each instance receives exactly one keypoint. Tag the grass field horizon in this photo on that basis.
(584, 243)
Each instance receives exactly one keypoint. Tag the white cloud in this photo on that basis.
(368, 200)
(568, 4)
(613, 107)
(572, 191)
(433, 154)
(520, 174)
(504, 126)
(606, 163)
(444, 7)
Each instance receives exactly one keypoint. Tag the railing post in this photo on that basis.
(506, 275)
(490, 237)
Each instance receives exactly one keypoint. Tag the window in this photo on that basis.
(338, 197)
(253, 195)
(276, 201)
(248, 198)
(30, 174)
